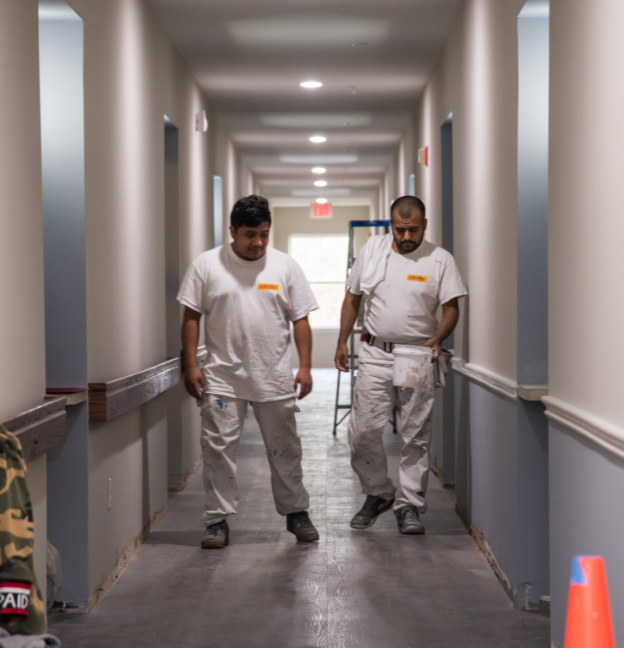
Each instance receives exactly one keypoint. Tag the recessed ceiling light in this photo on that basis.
(318, 139)
(320, 183)
(359, 44)
(311, 84)
(319, 170)
(321, 201)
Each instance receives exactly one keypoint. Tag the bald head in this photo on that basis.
(405, 205)
(408, 222)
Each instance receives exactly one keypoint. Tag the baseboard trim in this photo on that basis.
(485, 378)
(125, 556)
(605, 435)
(177, 486)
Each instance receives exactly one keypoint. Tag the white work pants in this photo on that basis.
(374, 400)
(222, 424)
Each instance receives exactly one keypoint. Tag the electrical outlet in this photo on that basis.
(110, 493)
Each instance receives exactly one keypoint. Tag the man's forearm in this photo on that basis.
(447, 323)
(190, 341)
(348, 316)
(303, 342)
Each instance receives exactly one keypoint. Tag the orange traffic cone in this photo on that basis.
(589, 615)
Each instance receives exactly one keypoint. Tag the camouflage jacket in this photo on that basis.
(21, 607)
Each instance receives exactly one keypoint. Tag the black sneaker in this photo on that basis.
(408, 520)
(216, 536)
(373, 507)
(301, 525)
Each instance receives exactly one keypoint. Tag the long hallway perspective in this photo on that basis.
(131, 130)
(352, 589)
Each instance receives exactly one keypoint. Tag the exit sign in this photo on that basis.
(321, 211)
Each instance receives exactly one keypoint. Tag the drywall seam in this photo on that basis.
(605, 435)
(486, 378)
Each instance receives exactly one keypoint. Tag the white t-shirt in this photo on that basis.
(402, 307)
(247, 307)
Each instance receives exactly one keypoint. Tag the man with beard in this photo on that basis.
(405, 279)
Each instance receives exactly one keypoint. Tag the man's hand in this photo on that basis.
(194, 381)
(342, 357)
(434, 343)
(450, 315)
(304, 380)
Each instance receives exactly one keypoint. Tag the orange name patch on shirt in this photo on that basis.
(419, 278)
(262, 286)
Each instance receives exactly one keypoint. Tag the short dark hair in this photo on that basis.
(250, 211)
(406, 204)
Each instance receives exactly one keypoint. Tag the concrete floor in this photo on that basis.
(353, 589)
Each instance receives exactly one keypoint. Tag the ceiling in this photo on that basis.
(373, 59)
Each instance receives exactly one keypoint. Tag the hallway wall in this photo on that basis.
(500, 450)
(22, 336)
(22, 340)
(476, 79)
(133, 78)
(586, 310)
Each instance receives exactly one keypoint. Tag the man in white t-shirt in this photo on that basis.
(405, 279)
(248, 294)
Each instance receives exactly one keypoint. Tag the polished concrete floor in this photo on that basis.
(353, 589)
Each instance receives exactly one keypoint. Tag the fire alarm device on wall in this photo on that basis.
(201, 121)
(423, 156)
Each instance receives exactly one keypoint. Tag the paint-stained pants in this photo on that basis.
(222, 425)
(374, 399)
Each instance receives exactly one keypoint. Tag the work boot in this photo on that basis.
(216, 536)
(373, 507)
(301, 525)
(408, 520)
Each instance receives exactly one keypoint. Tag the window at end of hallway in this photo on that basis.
(323, 259)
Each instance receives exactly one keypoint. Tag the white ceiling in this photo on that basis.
(373, 58)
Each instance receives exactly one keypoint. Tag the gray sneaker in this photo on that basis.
(216, 536)
(408, 520)
(373, 507)
(301, 525)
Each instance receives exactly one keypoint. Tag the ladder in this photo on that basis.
(358, 328)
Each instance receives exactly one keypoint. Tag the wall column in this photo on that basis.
(586, 308)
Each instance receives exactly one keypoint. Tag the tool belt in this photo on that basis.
(371, 340)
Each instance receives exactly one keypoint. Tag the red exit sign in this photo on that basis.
(321, 211)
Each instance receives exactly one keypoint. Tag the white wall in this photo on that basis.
(585, 269)
(22, 353)
(476, 79)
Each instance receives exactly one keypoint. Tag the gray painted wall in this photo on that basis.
(585, 519)
(533, 44)
(532, 505)
(62, 146)
(494, 473)
(62, 143)
(502, 483)
(68, 507)
(463, 456)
